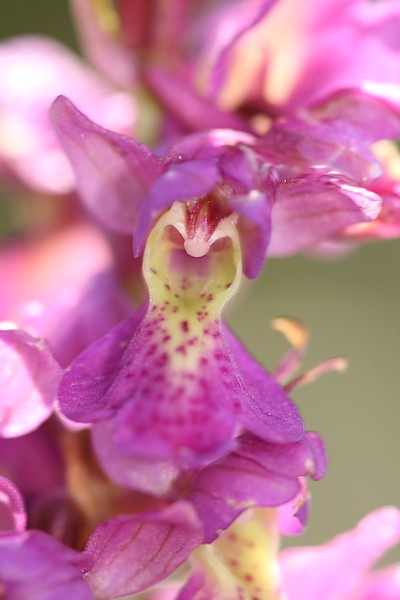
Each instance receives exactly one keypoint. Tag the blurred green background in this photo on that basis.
(351, 307)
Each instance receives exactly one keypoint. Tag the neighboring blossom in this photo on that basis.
(29, 378)
(57, 284)
(312, 573)
(33, 70)
(293, 56)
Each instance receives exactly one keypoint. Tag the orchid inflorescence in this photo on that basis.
(143, 450)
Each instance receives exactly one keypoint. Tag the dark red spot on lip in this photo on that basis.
(185, 326)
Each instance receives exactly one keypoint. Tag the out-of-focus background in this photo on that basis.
(351, 306)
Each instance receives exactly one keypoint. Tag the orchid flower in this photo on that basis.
(171, 385)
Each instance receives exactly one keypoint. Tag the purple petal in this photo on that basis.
(33, 565)
(184, 180)
(173, 415)
(267, 411)
(12, 507)
(303, 144)
(306, 572)
(148, 475)
(206, 144)
(253, 191)
(255, 474)
(28, 382)
(370, 115)
(85, 384)
(309, 210)
(254, 227)
(131, 553)
(113, 172)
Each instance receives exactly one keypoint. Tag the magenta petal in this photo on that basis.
(159, 414)
(12, 507)
(149, 475)
(308, 210)
(182, 180)
(28, 382)
(372, 115)
(206, 144)
(33, 565)
(255, 474)
(86, 383)
(113, 172)
(254, 229)
(302, 144)
(307, 571)
(163, 413)
(267, 411)
(131, 553)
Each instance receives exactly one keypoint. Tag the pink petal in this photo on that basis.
(28, 381)
(312, 573)
(33, 71)
(300, 213)
(149, 475)
(113, 172)
(105, 50)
